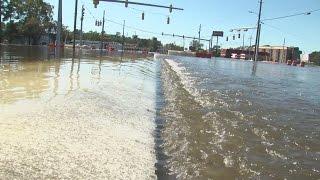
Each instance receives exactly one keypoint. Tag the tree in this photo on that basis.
(315, 57)
(155, 44)
(195, 45)
(11, 31)
(33, 18)
(36, 18)
(172, 46)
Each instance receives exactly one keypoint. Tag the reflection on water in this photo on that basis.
(82, 117)
(28, 72)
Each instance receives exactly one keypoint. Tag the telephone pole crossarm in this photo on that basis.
(143, 4)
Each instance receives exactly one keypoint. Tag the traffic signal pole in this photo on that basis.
(141, 4)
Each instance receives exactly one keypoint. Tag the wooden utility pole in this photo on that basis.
(283, 52)
(81, 33)
(243, 36)
(123, 38)
(0, 21)
(199, 36)
(58, 38)
(250, 48)
(102, 32)
(75, 24)
(258, 34)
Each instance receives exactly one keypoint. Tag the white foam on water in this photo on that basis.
(187, 82)
(88, 134)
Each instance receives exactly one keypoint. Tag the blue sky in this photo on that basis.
(302, 31)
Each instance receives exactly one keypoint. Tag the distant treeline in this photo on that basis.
(31, 22)
(314, 57)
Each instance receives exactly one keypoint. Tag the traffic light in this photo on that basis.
(82, 13)
(170, 9)
(126, 3)
(95, 2)
(98, 23)
(162, 34)
(227, 38)
(239, 35)
(168, 20)
(173, 35)
(142, 16)
(234, 37)
(183, 36)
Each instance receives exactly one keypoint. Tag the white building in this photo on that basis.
(304, 57)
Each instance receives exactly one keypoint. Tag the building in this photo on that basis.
(304, 58)
(280, 54)
(242, 54)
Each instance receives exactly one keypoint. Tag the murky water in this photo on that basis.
(224, 119)
(75, 118)
(101, 117)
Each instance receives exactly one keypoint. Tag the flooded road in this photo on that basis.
(224, 119)
(75, 118)
(101, 117)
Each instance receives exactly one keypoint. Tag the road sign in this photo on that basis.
(217, 33)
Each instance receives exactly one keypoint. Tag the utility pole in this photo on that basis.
(217, 46)
(250, 48)
(0, 21)
(81, 33)
(199, 36)
(184, 43)
(102, 31)
(283, 53)
(124, 24)
(243, 41)
(58, 39)
(258, 34)
(75, 24)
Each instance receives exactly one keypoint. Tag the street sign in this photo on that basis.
(217, 33)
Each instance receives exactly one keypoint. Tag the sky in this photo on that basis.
(221, 15)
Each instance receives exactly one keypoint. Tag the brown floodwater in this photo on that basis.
(233, 119)
(75, 117)
(92, 115)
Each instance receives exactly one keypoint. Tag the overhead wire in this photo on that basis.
(292, 15)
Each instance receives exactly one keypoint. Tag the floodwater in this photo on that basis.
(231, 119)
(75, 118)
(105, 117)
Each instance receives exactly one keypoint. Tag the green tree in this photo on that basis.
(34, 18)
(11, 31)
(315, 57)
(195, 45)
(155, 44)
(172, 46)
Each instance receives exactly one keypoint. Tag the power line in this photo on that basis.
(294, 36)
(292, 15)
